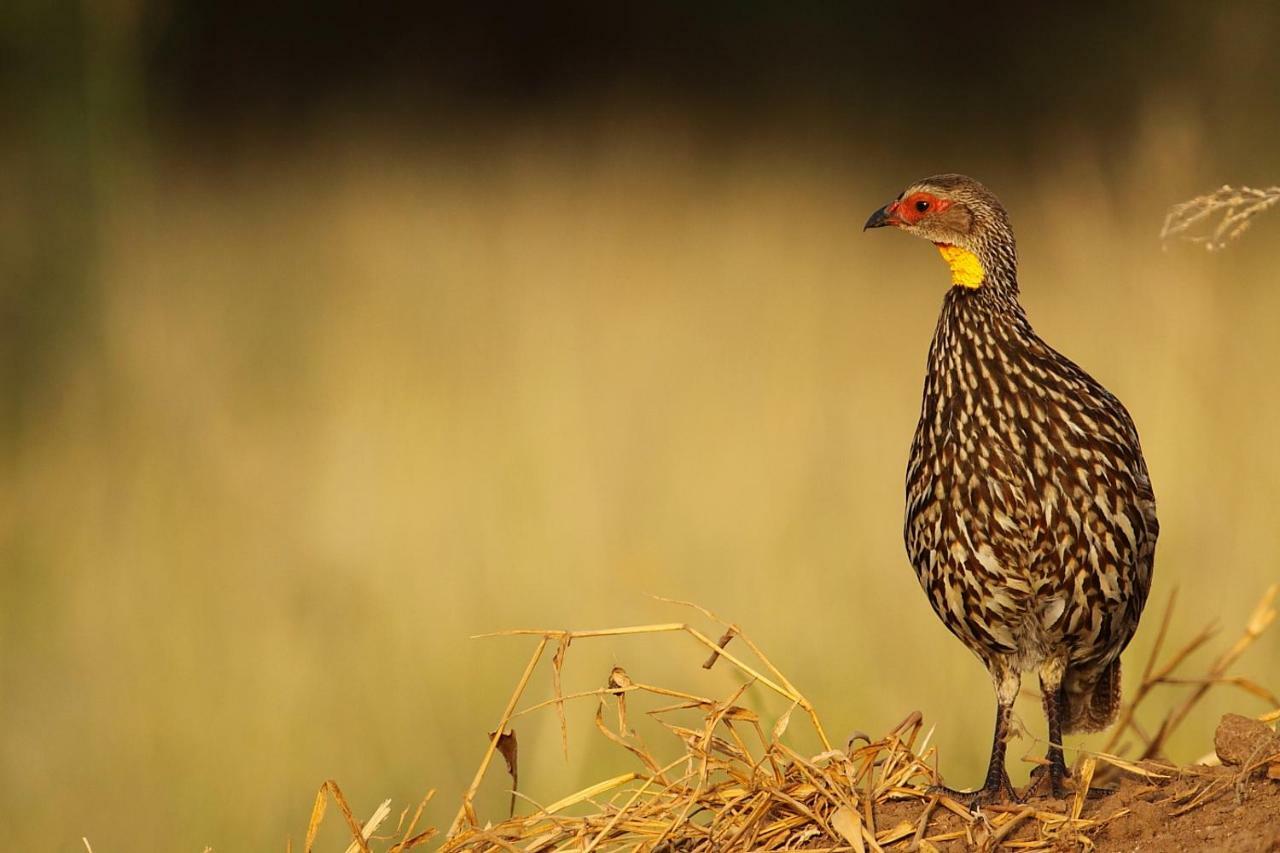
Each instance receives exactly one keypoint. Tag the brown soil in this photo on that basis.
(1233, 807)
(1235, 814)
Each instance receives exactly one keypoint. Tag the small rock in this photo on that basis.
(1240, 739)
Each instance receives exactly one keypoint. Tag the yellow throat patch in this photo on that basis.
(966, 269)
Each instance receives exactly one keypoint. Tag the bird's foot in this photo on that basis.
(1098, 792)
(1058, 786)
(994, 792)
(1047, 781)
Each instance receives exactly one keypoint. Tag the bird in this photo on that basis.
(1030, 516)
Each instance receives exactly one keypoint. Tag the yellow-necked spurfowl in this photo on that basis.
(1030, 519)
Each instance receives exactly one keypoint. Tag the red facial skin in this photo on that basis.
(906, 211)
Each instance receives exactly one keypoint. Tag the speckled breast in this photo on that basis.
(1030, 518)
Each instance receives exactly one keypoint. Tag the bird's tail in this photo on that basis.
(1092, 703)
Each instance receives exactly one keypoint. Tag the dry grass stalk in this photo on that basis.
(733, 786)
(362, 834)
(1219, 217)
(1264, 614)
(370, 826)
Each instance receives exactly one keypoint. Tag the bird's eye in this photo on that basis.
(922, 205)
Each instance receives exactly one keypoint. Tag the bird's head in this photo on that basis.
(964, 220)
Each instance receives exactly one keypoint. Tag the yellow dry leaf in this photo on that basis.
(780, 727)
(848, 823)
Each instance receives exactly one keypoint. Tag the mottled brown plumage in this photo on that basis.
(1030, 518)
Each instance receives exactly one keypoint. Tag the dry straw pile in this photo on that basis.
(732, 783)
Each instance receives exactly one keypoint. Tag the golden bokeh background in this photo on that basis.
(296, 407)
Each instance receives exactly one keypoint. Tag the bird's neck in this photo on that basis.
(989, 266)
(980, 332)
(996, 296)
(975, 322)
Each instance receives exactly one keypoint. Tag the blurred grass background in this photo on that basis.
(330, 340)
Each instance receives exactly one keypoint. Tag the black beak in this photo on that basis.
(882, 217)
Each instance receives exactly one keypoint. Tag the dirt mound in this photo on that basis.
(1203, 808)
(1234, 806)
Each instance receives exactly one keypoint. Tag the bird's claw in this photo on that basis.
(1060, 788)
(987, 795)
(1043, 776)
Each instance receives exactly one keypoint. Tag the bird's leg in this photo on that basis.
(997, 787)
(1054, 707)
(1055, 711)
